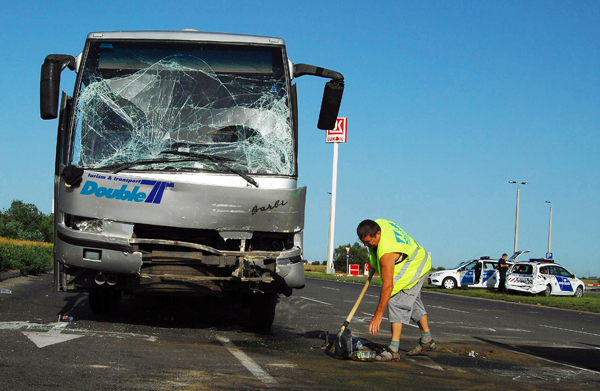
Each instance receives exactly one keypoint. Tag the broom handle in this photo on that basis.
(360, 297)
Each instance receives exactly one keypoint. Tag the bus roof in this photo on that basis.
(187, 35)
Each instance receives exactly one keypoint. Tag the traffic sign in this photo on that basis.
(339, 133)
(548, 255)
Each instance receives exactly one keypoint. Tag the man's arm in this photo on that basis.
(387, 262)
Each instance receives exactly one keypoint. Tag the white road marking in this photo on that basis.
(448, 309)
(424, 361)
(51, 337)
(14, 325)
(573, 331)
(321, 302)
(384, 318)
(284, 365)
(47, 334)
(372, 295)
(462, 325)
(326, 287)
(246, 361)
(371, 315)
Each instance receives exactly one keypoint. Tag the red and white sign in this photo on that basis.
(354, 270)
(339, 133)
(366, 269)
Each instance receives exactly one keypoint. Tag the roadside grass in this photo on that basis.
(588, 303)
(590, 280)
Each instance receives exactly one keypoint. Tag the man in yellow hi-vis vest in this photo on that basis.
(403, 266)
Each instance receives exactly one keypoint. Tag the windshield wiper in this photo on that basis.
(123, 166)
(215, 159)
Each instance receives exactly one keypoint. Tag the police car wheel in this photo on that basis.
(548, 291)
(579, 292)
(449, 283)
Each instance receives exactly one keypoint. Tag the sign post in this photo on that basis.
(335, 136)
(347, 259)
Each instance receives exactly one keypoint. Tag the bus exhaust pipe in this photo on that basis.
(100, 279)
(112, 279)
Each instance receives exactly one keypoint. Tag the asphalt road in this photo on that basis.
(183, 344)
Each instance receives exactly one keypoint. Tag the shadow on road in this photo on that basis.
(578, 357)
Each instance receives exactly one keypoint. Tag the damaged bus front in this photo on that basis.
(176, 167)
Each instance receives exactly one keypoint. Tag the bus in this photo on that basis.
(176, 168)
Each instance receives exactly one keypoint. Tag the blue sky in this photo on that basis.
(446, 102)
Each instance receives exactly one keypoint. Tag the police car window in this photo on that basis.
(523, 269)
(554, 270)
(563, 272)
(470, 266)
(544, 270)
(488, 266)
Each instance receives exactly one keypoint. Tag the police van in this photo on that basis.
(477, 273)
(543, 277)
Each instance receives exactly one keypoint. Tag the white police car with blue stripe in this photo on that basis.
(477, 273)
(543, 277)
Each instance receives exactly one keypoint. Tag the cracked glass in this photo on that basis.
(183, 107)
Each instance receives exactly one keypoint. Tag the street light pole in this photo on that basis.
(517, 214)
(549, 230)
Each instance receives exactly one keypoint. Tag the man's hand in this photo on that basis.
(375, 324)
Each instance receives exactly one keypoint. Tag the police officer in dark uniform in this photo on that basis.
(502, 269)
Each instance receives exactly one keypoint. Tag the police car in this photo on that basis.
(543, 277)
(477, 273)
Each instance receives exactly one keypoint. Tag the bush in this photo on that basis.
(28, 257)
(26, 222)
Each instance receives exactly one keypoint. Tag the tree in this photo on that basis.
(26, 222)
(358, 255)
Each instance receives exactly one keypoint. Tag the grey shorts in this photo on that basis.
(406, 305)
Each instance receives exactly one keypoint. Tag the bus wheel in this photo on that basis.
(262, 310)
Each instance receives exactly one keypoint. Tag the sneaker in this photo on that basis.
(422, 347)
(388, 355)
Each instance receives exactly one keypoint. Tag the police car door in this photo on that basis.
(563, 281)
(489, 277)
(467, 274)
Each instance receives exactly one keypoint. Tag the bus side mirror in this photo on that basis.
(50, 83)
(330, 107)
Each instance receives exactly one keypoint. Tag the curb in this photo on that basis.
(12, 274)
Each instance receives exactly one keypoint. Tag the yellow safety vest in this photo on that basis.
(393, 239)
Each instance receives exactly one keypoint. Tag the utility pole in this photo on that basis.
(517, 214)
(549, 252)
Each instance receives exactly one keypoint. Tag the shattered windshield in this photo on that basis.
(150, 101)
